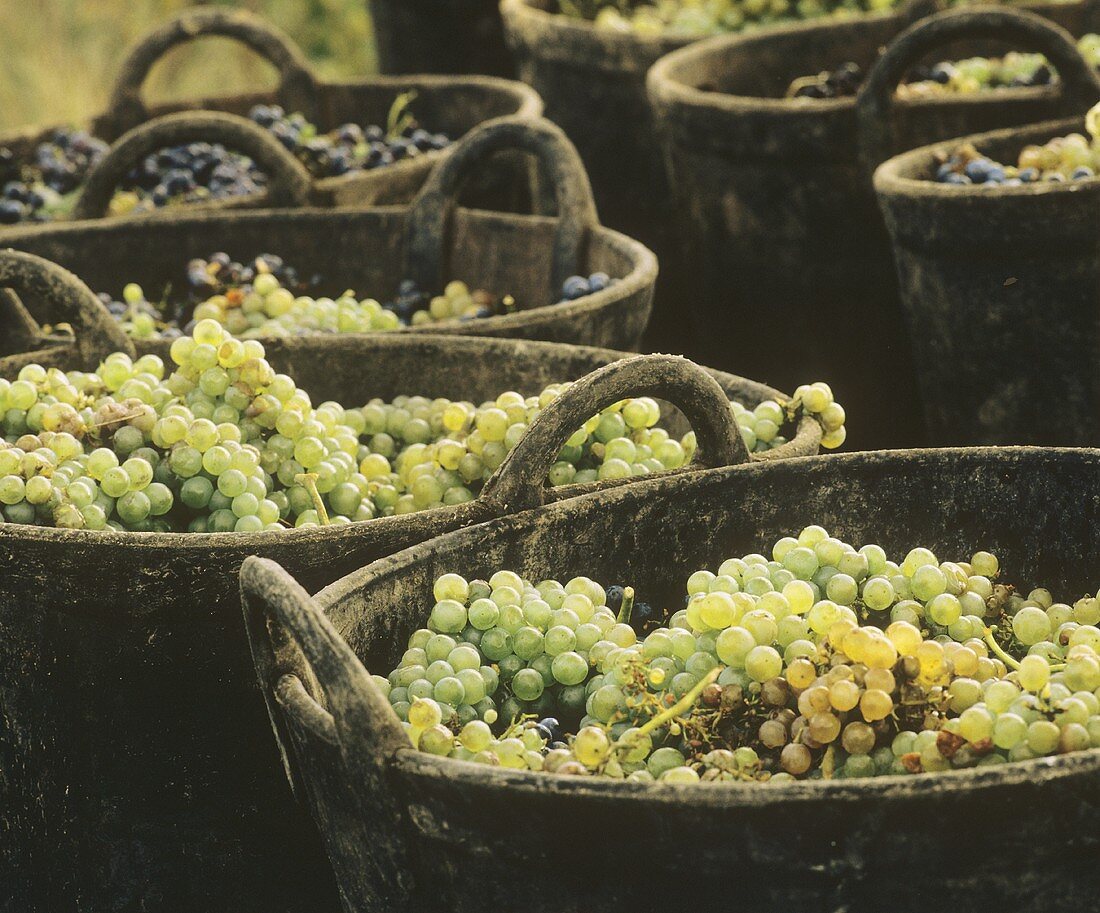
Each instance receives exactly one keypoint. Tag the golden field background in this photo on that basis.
(59, 58)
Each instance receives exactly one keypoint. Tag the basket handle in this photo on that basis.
(289, 182)
(1080, 86)
(33, 278)
(429, 226)
(299, 656)
(297, 84)
(519, 482)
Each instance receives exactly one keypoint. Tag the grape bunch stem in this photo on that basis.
(681, 706)
(308, 480)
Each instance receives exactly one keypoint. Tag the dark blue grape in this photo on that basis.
(339, 163)
(262, 115)
(11, 211)
(574, 287)
(349, 135)
(597, 282)
(942, 72)
(979, 170)
(549, 728)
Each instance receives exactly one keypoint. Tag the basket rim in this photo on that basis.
(808, 433)
(732, 795)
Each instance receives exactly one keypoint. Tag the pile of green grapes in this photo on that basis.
(693, 18)
(265, 297)
(1015, 70)
(223, 443)
(1074, 157)
(823, 662)
(696, 18)
(266, 308)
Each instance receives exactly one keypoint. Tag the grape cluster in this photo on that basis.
(219, 273)
(35, 191)
(978, 74)
(215, 275)
(495, 651)
(423, 453)
(223, 444)
(41, 189)
(350, 147)
(1015, 70)
(694, 18)
(457, 302)
(1074, 157)
(192, 173)
(266, 306)
(45, 188)
(962, 77)
(823, 662)
(843, 82)
(266, 297)
(1064, 158)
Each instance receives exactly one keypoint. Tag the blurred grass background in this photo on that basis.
(59, 58)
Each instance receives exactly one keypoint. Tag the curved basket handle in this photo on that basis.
(297, 85)
(298, 654)
(288, 181)
(428, 230)
(915, 10)
(33, 278)
(1080, 86)
(519, 482)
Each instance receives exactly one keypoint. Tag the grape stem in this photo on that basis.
(627, 607)
(121, 419)
(681, 706)
(308, 480)
(998, 649)
(1008, 660)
